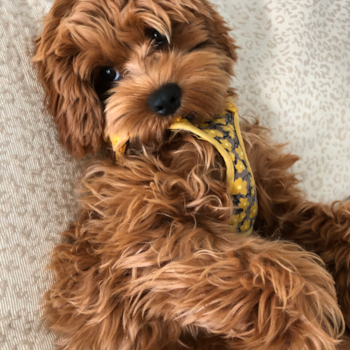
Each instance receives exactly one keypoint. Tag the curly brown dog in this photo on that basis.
(153, 262)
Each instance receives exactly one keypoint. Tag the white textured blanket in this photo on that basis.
(293, 72)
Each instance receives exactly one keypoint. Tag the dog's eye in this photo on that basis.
(157, 38)
(109, 74)
(104, 81)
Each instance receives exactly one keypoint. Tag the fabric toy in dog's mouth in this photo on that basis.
(224, 134)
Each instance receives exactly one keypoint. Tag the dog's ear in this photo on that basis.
(71, 98)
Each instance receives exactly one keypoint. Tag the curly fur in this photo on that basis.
(152, 262)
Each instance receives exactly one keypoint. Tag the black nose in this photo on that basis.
(166, 100)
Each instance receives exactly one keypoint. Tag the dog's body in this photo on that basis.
(152, 262)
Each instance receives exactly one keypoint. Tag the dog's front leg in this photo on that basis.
(253, 294)
(325, 230)
(284, 211)
(260, 295)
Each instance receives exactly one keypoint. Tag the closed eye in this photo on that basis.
(199, 46)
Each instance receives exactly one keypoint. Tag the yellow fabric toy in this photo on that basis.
(225, 135)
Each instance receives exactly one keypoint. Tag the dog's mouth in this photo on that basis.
(190, 117)
(151, 127)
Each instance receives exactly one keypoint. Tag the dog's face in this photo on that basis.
(131, 67)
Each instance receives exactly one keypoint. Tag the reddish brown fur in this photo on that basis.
(152, 262)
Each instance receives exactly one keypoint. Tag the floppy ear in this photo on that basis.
(70, 98)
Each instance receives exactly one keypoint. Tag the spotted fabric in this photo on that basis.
(224, 133)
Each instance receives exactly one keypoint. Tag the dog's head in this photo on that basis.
(129, 67)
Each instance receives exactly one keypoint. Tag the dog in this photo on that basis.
(154, 260)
